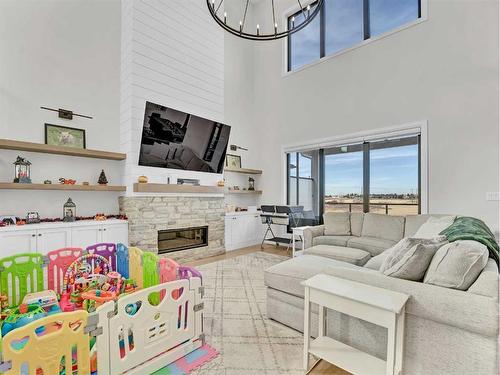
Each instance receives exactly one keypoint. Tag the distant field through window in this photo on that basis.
(379, 177)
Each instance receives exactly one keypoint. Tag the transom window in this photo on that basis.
(343, 24)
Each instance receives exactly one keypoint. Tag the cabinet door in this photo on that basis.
(115, 233)
(52, 239)
(258, 229)
(228, 231)
(241, 231)
(86, 235)
(17, 242)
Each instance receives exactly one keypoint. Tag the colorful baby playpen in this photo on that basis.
(136, 332)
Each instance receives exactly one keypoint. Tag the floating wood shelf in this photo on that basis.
(244, 192)
(8, 144)
(13, 186)
(243, 170)
(174, 188)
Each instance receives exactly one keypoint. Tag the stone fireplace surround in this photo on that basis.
(149, 214)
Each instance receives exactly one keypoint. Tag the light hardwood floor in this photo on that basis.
(322, 367)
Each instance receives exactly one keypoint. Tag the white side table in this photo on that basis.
(376, 305)
(297, 232)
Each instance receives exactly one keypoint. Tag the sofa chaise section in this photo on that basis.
(447, 331)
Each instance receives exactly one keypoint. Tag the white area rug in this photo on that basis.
(235, 321)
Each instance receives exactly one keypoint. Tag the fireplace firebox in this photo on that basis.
(171, 240)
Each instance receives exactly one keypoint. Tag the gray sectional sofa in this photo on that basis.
(447, 331)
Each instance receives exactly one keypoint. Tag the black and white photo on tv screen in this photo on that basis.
(179, 140)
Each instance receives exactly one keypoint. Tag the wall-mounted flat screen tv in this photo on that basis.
(179, 140)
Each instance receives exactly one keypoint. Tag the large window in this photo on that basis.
(342, 24)
(381, 176)
(303, 184)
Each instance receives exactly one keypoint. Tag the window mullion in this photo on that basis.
(366, 19)
(298, 179)
(322, 31)
(366, 177)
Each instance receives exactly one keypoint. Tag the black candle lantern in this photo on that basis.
(69, 211)
(22, 171)
(251, 183)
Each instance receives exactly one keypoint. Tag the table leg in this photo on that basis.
(307, 335)
(321, 321)
(293, 245)
(391, 345)
(400, 338)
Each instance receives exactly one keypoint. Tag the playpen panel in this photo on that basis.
(122, 260)
(167, 269)
(106, 250)
(136, 336)
(19, 275)
(59, 261)
(63, 332)
(135, 265)
(150, 276)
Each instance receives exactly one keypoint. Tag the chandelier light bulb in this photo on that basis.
(225, 17)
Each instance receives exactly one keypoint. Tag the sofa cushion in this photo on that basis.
(433, 226)
(357, 223)
(414, 222)
(337, 224)
(371, 244)
(287, 276)
(331, 240)
(457, 265)
(344, 254)
(488, 282)
(410, 258)
(376, 262)
(382, 226)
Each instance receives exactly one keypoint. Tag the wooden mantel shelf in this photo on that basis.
(243, 170)
(244, 192)
(174, 188)
(8, 144)
(14, 186)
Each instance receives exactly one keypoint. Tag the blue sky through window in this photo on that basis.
(344, 24)
(386, 15)
(392, 170)
(305, 44)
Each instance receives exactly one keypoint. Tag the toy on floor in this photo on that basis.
(46, 299)
(22, 315)
(85, 269)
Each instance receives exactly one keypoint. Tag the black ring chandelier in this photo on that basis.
(241, 30)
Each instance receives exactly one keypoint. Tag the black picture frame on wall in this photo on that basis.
(233, 161)
(69, 137)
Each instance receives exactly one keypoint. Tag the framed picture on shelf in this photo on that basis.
(233, 161)
(57, 135)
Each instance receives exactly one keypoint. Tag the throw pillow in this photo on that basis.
(433, 226)
(457, 265)
(376, 262)
(337, 224)
(410, 258)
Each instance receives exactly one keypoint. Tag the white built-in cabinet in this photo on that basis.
(42, 238)
(242, 230)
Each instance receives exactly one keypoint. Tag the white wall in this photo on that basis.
(173, 55)
(444, 70)
(59, 54)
